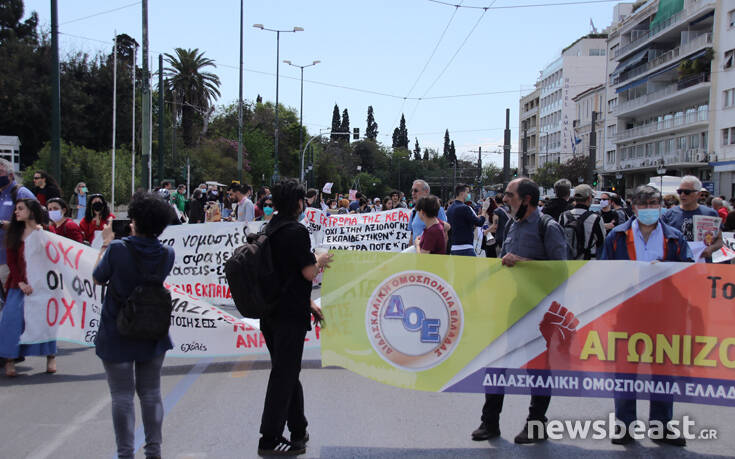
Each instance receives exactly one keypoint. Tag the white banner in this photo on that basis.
(66, 304)
(387, 231)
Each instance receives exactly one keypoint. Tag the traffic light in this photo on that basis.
(594, 180)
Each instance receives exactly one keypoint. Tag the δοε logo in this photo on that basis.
(414, 320)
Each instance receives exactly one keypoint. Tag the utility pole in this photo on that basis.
(524, 169)
(275, 163)
(479, 167)
(114, 120)
(55, 95)
(146, 107)
(592, 161)
(506, 149)
(239, 106)
(161, 117)
(132, 148)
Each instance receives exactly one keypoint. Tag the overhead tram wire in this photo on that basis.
(537, 5)
(464, 42)
(101, 13)
(431, 56)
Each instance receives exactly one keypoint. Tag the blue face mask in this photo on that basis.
(268, 210)
(469, 197)
(649, 216)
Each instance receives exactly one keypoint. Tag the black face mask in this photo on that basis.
(98, 206)
(521, 212)
(4, 180)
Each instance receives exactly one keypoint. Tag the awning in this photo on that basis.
(666, 9)
(664, 70)
(628, 64)
(631, 85)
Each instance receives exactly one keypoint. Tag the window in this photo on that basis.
(729, 98)
(725, 136)
(611, 104)
(612, 130)
(611, 157)
(702, 112)
(731, 18)
(694, 141)
(681, 143)
(729, 56)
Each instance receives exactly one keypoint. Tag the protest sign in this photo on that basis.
(386, 231)
(327, 188)
(460, 324)
(727, 251)
(706, 228)
(66, 304)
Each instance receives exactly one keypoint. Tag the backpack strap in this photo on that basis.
(543, 225)
(14, 193)
(586, 249)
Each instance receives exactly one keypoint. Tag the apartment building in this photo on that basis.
(722, 130)
(528, 132)
(580, 66)
(590, 118)
(659, 93)
(10, 150)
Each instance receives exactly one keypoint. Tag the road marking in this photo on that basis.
(241, 367)
(52, 447)
(174, 396)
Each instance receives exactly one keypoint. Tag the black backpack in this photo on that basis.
(575, 234)
(146, 313)
(251, 275)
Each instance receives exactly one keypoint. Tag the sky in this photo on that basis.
(384, 53)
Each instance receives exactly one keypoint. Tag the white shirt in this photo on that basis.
(651, 250)
(245, 210)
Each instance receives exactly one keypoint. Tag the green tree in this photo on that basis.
(400, 135)
(492, 174)
(426, 154)
(371, 131)
(416, 150)
(193, 90)
(452, 153)
(344, 128)
(446, 152)
(575, 168)
(336, 124)
(547, 174)
(11, 29)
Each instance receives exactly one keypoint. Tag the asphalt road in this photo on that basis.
(213, 409)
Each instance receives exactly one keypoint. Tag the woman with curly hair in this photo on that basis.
(133, 364)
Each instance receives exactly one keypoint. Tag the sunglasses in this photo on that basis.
(37, 178)
(686, 192)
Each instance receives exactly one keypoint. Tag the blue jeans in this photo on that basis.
(625, 410)
(464, 252)
(125, 379)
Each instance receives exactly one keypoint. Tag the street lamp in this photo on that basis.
(301, 109)
(278, 43)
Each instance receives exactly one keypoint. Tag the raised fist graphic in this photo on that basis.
(558, 326)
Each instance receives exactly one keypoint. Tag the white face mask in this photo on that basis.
(55, 215)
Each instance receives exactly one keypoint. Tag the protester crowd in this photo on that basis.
(515, 226)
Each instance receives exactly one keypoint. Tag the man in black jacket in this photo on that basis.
(463, 220)
(560, 203)
(284, 331)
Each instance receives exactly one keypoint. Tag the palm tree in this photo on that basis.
(194, 91)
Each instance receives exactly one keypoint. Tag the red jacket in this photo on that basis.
(17, 266)
(88, 228)
(68, 229)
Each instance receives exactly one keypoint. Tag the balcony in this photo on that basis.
(672, 89)
(701, 41)
(529, 113)
(661, 127)
(690, 157)
(692, 8)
